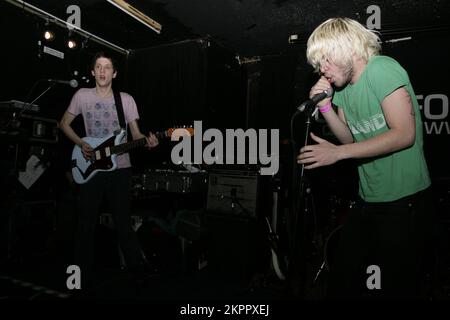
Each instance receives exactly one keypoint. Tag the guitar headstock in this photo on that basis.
(178, 132)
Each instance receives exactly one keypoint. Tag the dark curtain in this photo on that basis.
(169, 84)
(177, 84)
(277, 93)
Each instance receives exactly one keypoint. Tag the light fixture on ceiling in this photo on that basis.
(26, 7)
(71, 42)
(138, 15)
(48, 33)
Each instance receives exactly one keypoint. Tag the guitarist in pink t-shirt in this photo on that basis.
(101, 117)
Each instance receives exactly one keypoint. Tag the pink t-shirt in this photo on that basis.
(100, 115)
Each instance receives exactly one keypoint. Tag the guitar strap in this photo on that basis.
(119, 108)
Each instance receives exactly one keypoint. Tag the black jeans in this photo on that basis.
(115, 186)
(391, 235)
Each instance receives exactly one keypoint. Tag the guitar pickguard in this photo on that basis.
(83, 170)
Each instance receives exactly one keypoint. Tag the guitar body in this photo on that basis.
(102, 160)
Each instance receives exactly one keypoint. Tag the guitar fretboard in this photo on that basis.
(121, 148)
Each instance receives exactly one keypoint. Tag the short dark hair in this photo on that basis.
(102, 54)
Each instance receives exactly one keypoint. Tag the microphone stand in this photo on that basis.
(299, 211)
(31, 103)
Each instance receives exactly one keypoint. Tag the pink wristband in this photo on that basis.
(325, 108)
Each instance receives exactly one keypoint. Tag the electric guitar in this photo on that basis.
(106, 150)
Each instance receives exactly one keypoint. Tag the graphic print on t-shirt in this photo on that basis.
(101, 119)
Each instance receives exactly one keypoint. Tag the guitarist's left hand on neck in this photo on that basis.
(152, 141)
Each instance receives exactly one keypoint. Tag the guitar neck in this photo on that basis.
(161, 135)
(124, 147)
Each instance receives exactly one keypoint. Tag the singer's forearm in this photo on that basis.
(338, 127)
(387, 142)
(401, 123)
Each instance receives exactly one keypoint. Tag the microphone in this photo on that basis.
(316, 99)
(73, 83)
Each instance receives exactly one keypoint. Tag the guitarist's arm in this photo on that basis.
(65, 126)
(152, 140)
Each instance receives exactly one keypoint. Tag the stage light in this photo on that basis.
(49, 35)
(71, 44)
(50, 18)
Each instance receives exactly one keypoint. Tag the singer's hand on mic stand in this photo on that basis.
(320, 86)
(321, 154)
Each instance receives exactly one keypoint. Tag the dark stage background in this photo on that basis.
(198, 78)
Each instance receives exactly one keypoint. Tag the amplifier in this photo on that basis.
(41, 129)
(173, 181)
(29, 128)
(234, 193)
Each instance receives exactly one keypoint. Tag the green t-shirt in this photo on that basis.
(392, 176)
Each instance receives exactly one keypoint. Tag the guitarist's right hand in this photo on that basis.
(87, 150)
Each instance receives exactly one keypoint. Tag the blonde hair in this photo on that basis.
(338, 39)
